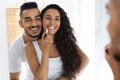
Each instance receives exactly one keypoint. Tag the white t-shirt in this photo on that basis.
(17, 59)
(55, 64)
(16, 54)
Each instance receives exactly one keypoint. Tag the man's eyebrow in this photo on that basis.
(27, 17)
(30, 17)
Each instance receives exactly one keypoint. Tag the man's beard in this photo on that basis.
(36, 36)
(116, 47)
(116, 55)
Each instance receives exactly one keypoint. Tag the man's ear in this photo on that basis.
(20, 23)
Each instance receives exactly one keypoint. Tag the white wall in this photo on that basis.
(4, 75)
(87, 36)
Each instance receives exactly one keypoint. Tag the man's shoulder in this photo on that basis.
(17, 46)
(18, 41)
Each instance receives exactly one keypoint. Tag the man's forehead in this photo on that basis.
(114, 6)
(32, 16)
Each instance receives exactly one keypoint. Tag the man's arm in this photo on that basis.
(14, 64)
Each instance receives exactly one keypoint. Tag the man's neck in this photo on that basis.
(27, 38)
(116, 69)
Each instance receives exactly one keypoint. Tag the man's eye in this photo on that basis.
(38, 19)
(27, 20)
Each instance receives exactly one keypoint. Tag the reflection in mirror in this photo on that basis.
(14, 30)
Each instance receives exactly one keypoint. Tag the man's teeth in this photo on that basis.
(36, 28)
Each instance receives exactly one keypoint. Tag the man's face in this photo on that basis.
(114, 27)
(31, 22)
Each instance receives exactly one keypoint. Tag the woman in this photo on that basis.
(55, 56)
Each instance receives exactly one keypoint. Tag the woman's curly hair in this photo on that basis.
(65, 43)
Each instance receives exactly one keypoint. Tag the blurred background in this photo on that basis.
(102, 69)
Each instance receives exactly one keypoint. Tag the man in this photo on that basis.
(113, 49)
(31, 22)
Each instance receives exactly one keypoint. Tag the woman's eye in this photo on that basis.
(48, 18)
(57, 19)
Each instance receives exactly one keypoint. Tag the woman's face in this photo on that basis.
(51, 21)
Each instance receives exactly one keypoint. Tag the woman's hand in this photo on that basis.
(47, 41)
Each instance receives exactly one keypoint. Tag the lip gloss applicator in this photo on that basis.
(45, 33)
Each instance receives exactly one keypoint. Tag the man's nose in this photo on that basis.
(34, 23)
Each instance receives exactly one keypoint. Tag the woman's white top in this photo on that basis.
(55, 64)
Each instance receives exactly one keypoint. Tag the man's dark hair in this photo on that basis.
(28, 5)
